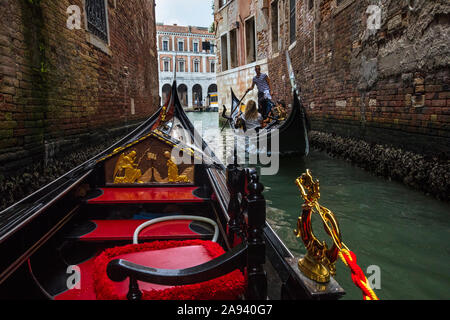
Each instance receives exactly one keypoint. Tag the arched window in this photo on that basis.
(181, 65)
(196, 65)
(166, 63)
(165, 93)
(165, 44)
(197, 95)
(180, 45)
(183, 94)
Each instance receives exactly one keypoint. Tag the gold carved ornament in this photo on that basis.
(319, 263)
(127, 166)
(173, 169)
(127, 169)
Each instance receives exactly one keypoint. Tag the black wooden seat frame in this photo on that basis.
(248, 254)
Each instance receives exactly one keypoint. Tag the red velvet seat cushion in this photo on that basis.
(167, 255)
(113, 230)
(146, 195)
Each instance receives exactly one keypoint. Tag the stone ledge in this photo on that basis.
(98, 43)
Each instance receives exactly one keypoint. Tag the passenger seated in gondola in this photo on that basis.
(277, 114)
(251, 118)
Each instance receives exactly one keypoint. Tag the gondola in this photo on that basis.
(132, 223)
(292, 132)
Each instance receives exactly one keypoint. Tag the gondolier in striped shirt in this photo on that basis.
(262, 82)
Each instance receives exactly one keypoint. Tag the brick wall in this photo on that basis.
(389, 85)
(61, 88)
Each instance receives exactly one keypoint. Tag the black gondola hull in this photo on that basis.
(292, 133)
(38, 243)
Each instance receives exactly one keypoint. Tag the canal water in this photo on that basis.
(392, 229)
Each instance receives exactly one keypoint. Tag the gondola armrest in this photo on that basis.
(118, 270)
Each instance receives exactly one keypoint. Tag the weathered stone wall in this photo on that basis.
(62, 89)
(388, 85)
(240, 79)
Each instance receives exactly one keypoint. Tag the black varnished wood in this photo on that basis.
(235, 178)
(134, 293)
(257, 278)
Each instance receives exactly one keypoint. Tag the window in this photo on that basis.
(180, 45)
(275, 30)
(195, 46)
(97, 18)
(166, 66)
(181, 66)
(311, 4)
(208, 46)
(233, 48)
(165, 45)
(224, 52)
(250, 40)
(292, 22)
(213, 67)
(196, 66)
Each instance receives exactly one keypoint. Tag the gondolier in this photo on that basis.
(262, 82)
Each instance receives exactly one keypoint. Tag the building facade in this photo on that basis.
(180, 49)
(71, 73)
(376, 70)
(242, 32)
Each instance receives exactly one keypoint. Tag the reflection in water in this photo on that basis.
(386, 224)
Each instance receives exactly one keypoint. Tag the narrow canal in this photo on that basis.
(401, 231)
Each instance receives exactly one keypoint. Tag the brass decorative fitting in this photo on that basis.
(319, 261)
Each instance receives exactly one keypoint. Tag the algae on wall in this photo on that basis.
(428, 174)
(34, 96)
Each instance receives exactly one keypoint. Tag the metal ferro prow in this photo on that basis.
(319, 261)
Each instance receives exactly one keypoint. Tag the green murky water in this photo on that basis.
(401, 231)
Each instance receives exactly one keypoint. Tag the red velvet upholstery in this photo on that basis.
(146, 195)
(113, 230)
(168, 255)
